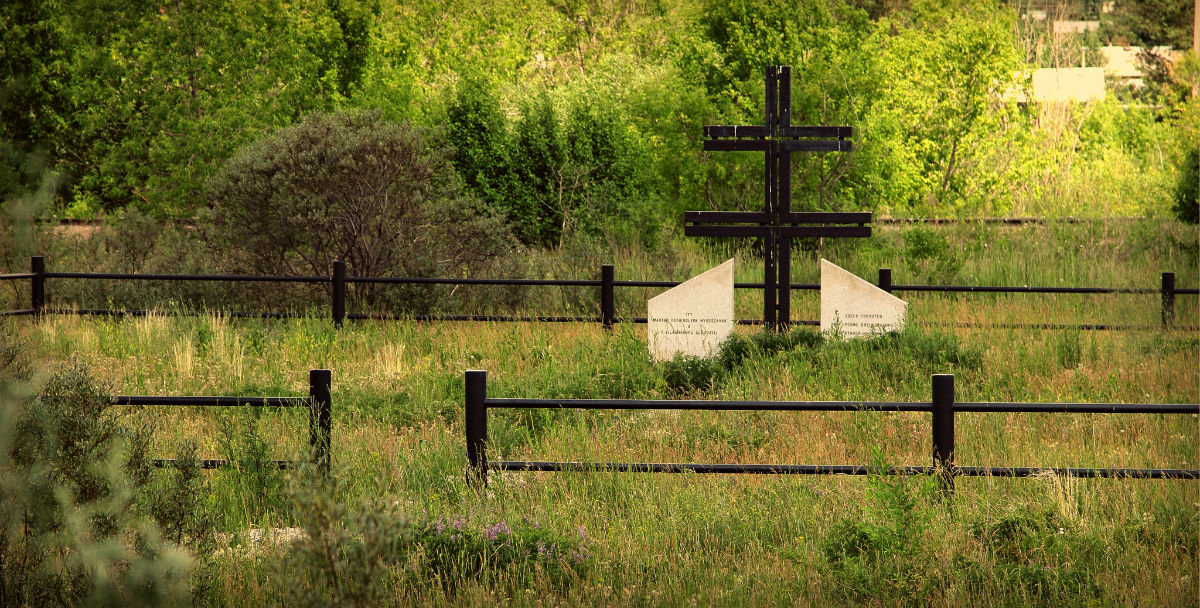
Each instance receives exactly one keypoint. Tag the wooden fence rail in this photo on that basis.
(942, 407)
(318, 402)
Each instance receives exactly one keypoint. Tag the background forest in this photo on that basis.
(587, 115)
(281, 136)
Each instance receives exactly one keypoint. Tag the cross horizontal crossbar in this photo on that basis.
(786, 145)
(758, 217)
(788, 131)
(785, 231)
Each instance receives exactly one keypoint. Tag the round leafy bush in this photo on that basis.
(352, 186)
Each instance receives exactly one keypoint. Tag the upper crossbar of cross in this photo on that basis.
(788, 138)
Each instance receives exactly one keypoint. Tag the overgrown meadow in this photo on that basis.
(398, 523)
(533, 139)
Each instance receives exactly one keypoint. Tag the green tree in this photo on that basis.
(1187, 189)
(1150, 23)
(355, 20)
(137, 103)
(541, 174)
(821, 40)
(349, 186)
(479, 134)
(607, 170)
(943, 104)
(28, 102)
(922, 88)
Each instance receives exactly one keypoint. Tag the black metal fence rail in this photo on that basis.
(1012, 221)
(318, 402)
(942, 406)
(607, 284)
(1019, 220)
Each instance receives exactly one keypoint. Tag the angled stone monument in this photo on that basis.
(693, 317)
(856, 307)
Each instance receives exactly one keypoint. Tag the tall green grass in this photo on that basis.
(373, 537)
(669, 539)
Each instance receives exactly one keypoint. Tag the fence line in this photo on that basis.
(1019, 220)
(318, 402)
(1012, 221)
(607, 283)
(941, 406)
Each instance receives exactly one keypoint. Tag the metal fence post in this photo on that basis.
(476, 423)
(37, 284)
(607, 309)
(319, 417)
(1168, 299)
(943, 429)
(339, 293)
(885, 279)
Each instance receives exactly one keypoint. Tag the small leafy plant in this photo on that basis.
(881, 553)
(685, 374)
(927, 253)
(455, 551)
(357, 555)
(72, 480)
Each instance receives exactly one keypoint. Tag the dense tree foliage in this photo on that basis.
(552, 172)
(1151, 23)
(1187, 191)
(352, 187)
(580, 116)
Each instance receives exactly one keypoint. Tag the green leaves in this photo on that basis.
(72, 479)
(553, 172)
(355, 187)
(572, 116)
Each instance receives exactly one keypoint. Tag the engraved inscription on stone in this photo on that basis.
(856, 307)
(693, 317)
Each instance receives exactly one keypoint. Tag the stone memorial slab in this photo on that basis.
(857, 307)
(693, 317)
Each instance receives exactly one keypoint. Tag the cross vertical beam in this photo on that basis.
(783, 195)
(771, 195)
(777, 225)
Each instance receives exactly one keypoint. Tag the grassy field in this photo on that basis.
(626, 539)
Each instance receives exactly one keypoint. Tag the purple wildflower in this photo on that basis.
(497, 530)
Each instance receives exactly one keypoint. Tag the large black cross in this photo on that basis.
(777, 225)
